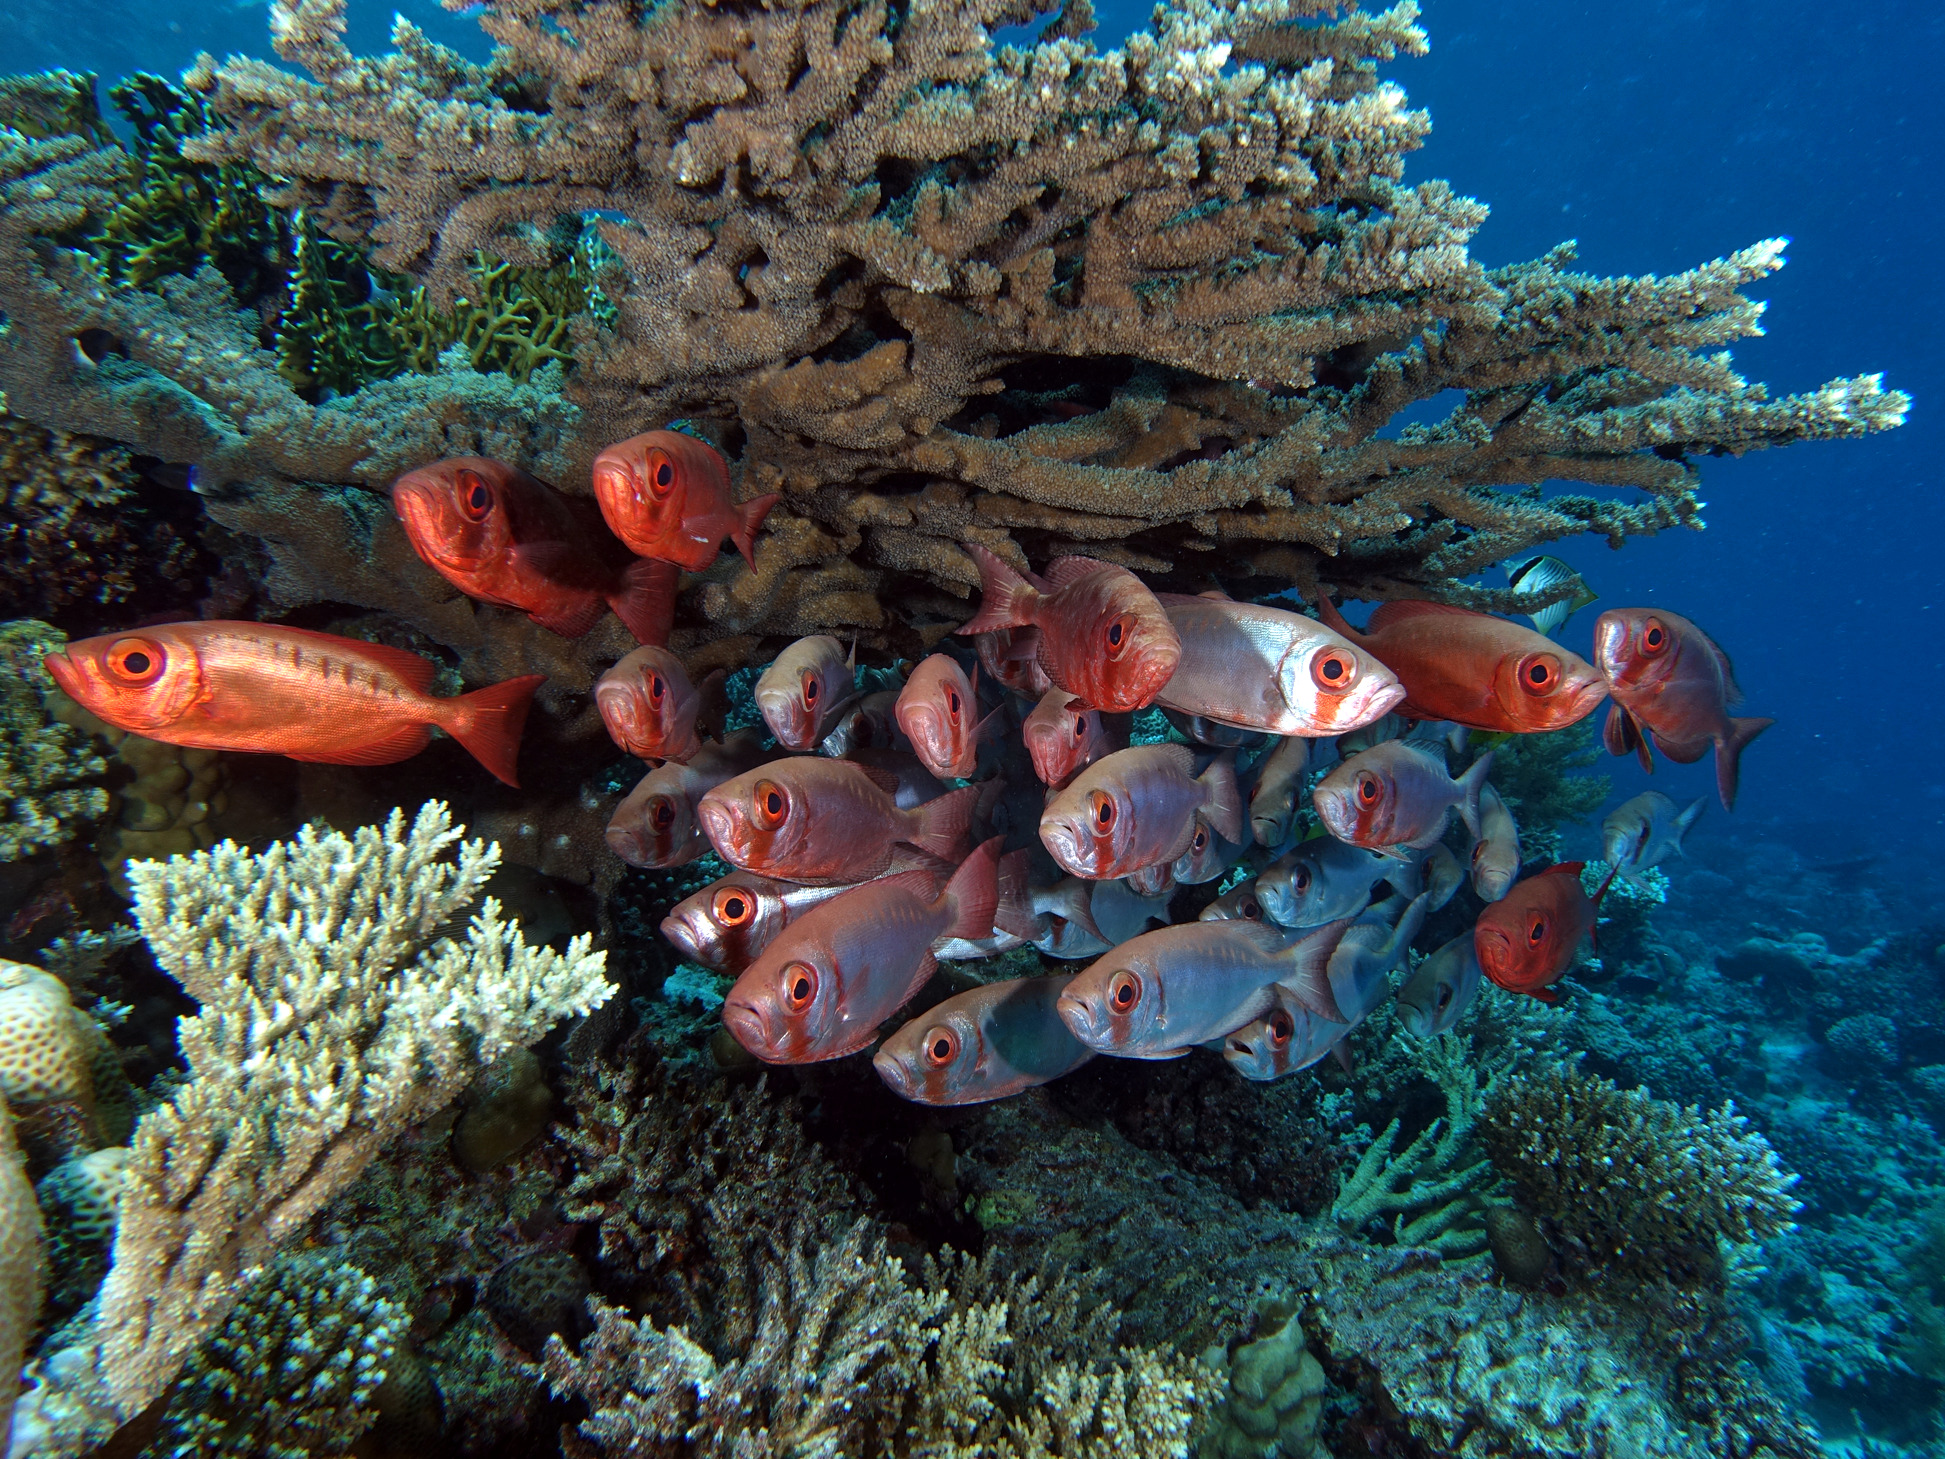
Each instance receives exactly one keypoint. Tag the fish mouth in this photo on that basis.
(67, 673)
(897, 1077)
(1582, 700)
(629, 846)
(789, 722)
(684, 929)
(1339, 816)
(1066, 845)
(1366, 704)
(747, 1025)
(1083, 1021)
(1494, 949)
(722, 825)
(425, 522)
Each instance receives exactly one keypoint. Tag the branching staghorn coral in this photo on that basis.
(873, 254)
(335, 1013)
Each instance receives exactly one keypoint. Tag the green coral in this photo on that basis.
(54, 104)
(1538, 778)
(45, 767)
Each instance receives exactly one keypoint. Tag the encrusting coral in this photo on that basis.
(21, 1269)
(336, 1010)
(47, 769)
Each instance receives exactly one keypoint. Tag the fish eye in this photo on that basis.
(772, 804)
(1443, 996)
(1280, 1029)
(1537, 931)
(1368, 788)
(1124, 991)
(1333, 671)
(1654, 638)
(799, 986)
(1300, 878)
(1201, 839)
(1251, 909)
(941, 1046)
(475, 496)
(136, 661)
(661, 473)
(1120, 633)
(663, 816)
(732, 907)
(1539, 673)
(1103, 810)
(656, 688)
(1080, 728)
(811, 688)
(952, 700)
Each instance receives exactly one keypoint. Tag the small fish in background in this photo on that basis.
(1474, 669)
(1162, 993)
(1376, 942)
(667, 495)
(1212, 734)
(1527, 940)
(1287, 1039)
(1538, 576)
(726, 924)
(500, 536)
(1443, 876)
(656, 825)
(1670, 682)
(1209, 856)
(804, 694)
(1065, 914)
(812, 820)
(1325, 880)
(1154, 883)
(1379, 731)
(1254, 667)
(1645, 831)
(916, 784)
(1063, 736)
(1138, 808)
(1103, 636)
(986, 1043)
(1496, 852)
(822, 988)
(938, 709)
(1010, 657)
(1279, 782)
(870, 723)
(651, 709)
(1239, 901)
(1398, 794)
(1122, 911)
(217, 685)
(1437, 995)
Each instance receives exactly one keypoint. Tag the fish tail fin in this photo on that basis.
(1222, 805)
(943, 824)
(1015, 914)
(1333, 620)
(1308, 978)
(1728, 756)
(1686, 819)
(973, 892)
(1006, 599)
(488, 723)
(1471, 784)
(749, 517)
(645, 601)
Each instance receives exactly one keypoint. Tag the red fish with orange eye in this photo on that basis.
(649, 706)
(1398, 794)
(806, 691)
(1137, 809)
(986, 1043)
(656, 825)
(500, 536)
(667, 496)
(1527, 940)
(1104, 637)
(1672, 684)
(1063, 737)
(938, 709)
(1474, 669)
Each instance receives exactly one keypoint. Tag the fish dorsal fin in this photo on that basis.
(884, 779)
(1180, 756)
(1564, 868)
(1398, 612)
(920, 883)
(1064, 570)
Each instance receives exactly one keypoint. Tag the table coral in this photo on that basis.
(47, 768)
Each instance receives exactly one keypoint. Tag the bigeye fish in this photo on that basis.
(500, 536)
(1538, 576)
(657, 825)
(1260, 668)
(650, 707)
(1398, 794)
(938, 709)
(1239, 901)
(1376, 942)
(1212, 734)
(1279, 781)
(1670, 682)
(1103, 636)
(1324, 880)
(1443, 875)
(916, 784)
(870, 723)
(804, 694)
(986, 1043)
(1645, 831)
(1526, 941)
(1064, 913)
(822, 988)
(1160, 994)
(1437, 995)
(1155, 882)
(1063, 735)
(1283, 1041)
(1011, 659)
(1496, 852)
(813, 820)
(1138, 808)
(1474, 669)
(667, 496)
(216, 685)
(726, 924)
(1208, 857)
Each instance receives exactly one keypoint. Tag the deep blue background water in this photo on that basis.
(1658, 134)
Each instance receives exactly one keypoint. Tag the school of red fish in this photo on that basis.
(988, 798)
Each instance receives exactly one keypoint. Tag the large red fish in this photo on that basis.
(1104, 638)
(498, 535)
(1474, 669)
(667, 496)
(1139, 808)
(286, 691)
(650, 707)
(1527, 939)
(938, 709)
(1063, 737)
(656, 825)
(809, 819)
(1670, 681)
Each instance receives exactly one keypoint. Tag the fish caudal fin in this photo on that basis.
(488, 723)
(1222, 803)
(645, 601)
(943, 825)
(1728, 756)
(1015, 915)
(1471, 784)
(749, 517)
(1006, 600)
(1308, 973)
(1686, 819)
(973, 893)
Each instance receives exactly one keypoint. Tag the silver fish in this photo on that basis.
(1539, 575)
(1360, 965)
(1286, 1039)
(1138, 808)
(804, 694)
(984, 1044)
(1398, 795)
(1496, 854)
(1279, 782)
(1121, 911)
(1239, 901)
(726, 924)
(1438, 994)
(1065, 916)
(1646, 831)
(1208, 857)
(1324, 880)
(1443, 876)
(1199, 729)
(870, 723)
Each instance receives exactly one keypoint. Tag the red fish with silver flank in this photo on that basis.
(1397, 794)
(1138, 808)
(1063, 737)
(804, 693)
(1526, 940)
(823, 987)
(1474, 669)
(938, 710)
(812, 820)
(286, 691)
(1104, 637)
(1670, 681)
(667, 496)
(726, 924)
(498, 535)
(650, 707)
(657, 826)
(986, 1043)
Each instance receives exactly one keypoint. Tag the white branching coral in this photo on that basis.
(336, 1011)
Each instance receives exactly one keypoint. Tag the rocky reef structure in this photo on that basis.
(51, 773)
(1156, 303)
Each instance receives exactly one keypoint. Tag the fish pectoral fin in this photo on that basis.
(401, 744)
